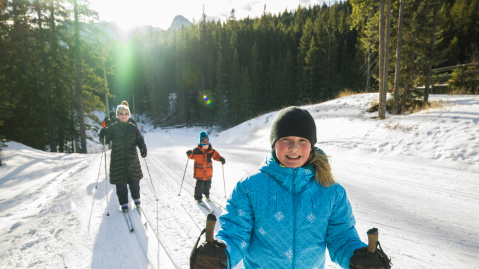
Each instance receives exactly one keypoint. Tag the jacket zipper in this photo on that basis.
(125, 152)
(294, 218)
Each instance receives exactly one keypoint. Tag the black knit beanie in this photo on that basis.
(293, 121)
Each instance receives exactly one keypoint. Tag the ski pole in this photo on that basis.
(93, 201)
(224, 183)
(106, 181)
(148, 169)
(210, 227)
(158, 241)
(99, 169)
(184, 176)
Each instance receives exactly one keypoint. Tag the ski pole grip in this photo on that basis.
(210, 227)
(373, 237)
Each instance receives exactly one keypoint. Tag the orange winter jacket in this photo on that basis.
(203, 168)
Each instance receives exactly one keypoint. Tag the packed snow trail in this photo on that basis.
(414, 177)
(405, 202)
(135, 249)
(404, 205)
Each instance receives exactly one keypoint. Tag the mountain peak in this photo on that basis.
(178, 22)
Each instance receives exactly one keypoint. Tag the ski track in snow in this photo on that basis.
(415, 177)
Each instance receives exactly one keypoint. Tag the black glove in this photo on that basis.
(209, 255)
(222, 160)
(188, 152)
(143, 151)
(102, 137)
(366, 260)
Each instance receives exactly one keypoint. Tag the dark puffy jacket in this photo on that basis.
(124, 156)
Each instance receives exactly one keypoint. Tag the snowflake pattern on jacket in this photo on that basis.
(281, 217)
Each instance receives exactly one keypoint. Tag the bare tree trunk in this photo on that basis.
(79, 87)
(431, 44)
(384, 60)
(20, 31)
(57, 107)
(382, 50)
(404, 94)
(398, 58)
(386, 54)
(107, 105)
(368, 70)
(46, 81)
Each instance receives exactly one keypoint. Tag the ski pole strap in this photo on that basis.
(193, 252)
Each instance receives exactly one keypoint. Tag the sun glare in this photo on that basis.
(129, 14)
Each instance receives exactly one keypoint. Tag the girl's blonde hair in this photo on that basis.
(125, 103)
(324, 176)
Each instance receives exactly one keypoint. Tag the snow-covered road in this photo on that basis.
(416, 178)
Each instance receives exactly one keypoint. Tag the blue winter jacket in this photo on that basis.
(281, 217)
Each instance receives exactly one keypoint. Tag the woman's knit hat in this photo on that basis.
(120, 107)
(204, 139)
(293, 121)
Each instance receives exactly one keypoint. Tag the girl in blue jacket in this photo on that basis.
(286, 213)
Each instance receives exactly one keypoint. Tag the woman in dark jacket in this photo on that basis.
(125, 166)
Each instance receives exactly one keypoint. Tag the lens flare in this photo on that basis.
(207, 100)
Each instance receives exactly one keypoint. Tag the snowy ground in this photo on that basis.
(415, 177)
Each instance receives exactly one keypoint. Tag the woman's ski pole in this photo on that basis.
(183, 176)
(93, 201)
(224, 183)
(106, 181)
(148, 169)
(99, 169)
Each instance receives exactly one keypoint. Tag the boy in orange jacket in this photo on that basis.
(203, 168)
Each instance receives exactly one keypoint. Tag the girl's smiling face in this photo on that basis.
(292, 151)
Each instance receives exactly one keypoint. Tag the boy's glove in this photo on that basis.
(143, 151)
(188, 152)
(362, 259)
(222, 160)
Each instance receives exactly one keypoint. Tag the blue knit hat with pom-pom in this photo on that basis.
(204, 139)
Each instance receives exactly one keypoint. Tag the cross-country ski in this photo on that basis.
(141, 217)
(129, 224)
(202, 205)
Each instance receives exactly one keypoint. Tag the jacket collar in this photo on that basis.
(210, 148)
(300, 177)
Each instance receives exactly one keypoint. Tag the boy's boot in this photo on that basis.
(137, 202)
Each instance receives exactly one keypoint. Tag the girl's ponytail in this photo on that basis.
(324, 176)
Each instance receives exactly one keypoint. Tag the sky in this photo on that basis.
(414, 177)
(160, 13)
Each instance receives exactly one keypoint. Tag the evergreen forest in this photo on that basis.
(59, 63)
